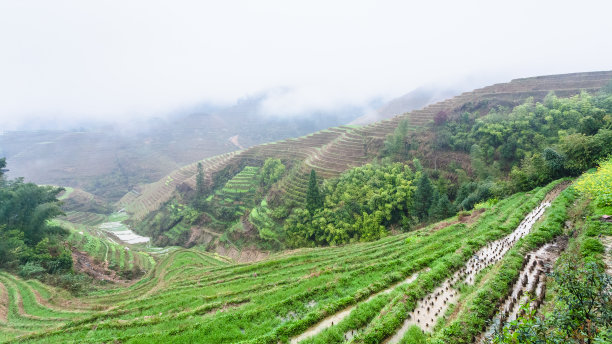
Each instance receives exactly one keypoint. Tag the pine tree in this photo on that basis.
(443, 208)
(433, 210)
(554, 161)
(200, 181)
(314, 200)
(423, 197)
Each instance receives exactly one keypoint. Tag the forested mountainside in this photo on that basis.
(387, 177)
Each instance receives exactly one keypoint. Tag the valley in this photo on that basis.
(321, 172)
(351, 234)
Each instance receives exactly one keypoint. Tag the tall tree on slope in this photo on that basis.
(423, 196)
(314, 200)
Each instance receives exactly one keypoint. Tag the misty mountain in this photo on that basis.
(110, 159)
(413, 100)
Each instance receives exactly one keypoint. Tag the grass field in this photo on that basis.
(194, 296)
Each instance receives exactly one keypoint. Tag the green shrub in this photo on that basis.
(591, 247)
(31, 270)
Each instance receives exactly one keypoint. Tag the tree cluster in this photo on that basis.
(363, 203)
(26, 237)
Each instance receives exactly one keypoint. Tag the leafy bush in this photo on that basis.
(31, 270)
(271, 171)
(75, 283)
(582, 312)
(591, 246)
(598, 185)
(358, 205)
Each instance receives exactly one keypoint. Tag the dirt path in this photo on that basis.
(431, 307)
(607, 242)
(336, 318)
(84, 263)
(245, 255)
(4, 303)
(234, 141)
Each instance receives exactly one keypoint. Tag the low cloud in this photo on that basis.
(75, 61)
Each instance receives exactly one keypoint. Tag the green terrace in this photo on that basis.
(114, 256)
(193, 296)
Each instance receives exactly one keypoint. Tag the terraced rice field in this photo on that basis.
(112, 255)
(335, 150)
(120, 231)
(428, 309)
(86, 218)
(244, 182)
(29, 306)
(141, 201)
(360, 293)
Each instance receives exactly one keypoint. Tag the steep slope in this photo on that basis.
(333, 151)
(414, 100)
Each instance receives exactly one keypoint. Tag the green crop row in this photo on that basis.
(473, 318)
(402, 303)
(192, 296)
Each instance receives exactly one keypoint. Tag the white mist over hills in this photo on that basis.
(74, 61)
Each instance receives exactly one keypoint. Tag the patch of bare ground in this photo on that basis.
(194, 234)
(60, 304)
(607, 242)
(4, 303)
(474, 215)
(557, 190)
(441, 225)
(82, 262)
(244, 255)
(227, 306)
(468, 220)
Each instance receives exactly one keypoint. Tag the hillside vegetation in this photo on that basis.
(362, 293)
(481, 218)
(381, 178)
(28, 242)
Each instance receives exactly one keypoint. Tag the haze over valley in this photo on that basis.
(280, 172)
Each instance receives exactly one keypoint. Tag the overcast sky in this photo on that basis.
(124, 59)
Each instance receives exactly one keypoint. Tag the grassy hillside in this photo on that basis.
(484, 144)
(370, 292)
(363, 293)
(190, 291)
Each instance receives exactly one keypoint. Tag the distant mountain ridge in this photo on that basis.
(110, 160)
(413, 100)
